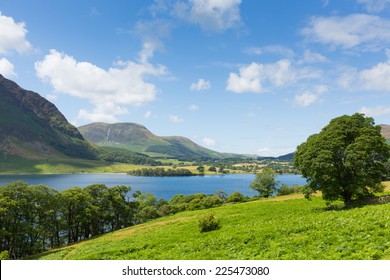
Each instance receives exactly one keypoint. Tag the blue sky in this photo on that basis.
(242, 76)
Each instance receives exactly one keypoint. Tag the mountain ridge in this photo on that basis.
(31, 126)
(137, 138)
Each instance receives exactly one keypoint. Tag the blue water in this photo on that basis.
(161, 187)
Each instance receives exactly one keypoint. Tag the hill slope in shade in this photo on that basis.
(32, 127)
(137, 138)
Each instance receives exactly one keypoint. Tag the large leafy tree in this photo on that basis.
(265, 183)
(345, 160)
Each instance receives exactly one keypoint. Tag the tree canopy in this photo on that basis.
(265, 183)
(345, 160)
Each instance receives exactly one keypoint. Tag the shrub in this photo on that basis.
(208, 223)
(285, 190)
(236, 197)
(4, 255)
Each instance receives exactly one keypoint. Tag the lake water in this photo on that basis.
(161, 187)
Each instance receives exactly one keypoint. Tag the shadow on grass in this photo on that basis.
(359, 203)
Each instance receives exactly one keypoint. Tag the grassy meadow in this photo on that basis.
(289, 227)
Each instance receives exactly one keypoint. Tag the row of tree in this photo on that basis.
(160, 172)
(37, 218)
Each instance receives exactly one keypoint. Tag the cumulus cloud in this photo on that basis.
(376, 111)
(201, 84)
(366, 31)
(376, 78)
(309, 97)
(175, 119)
(7, 68)
(208, 142)
(12, 35)
(108, 90)
(102, 112)
(260, 78)
(374, 6)
(211, 15)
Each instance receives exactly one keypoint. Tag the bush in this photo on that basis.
(208, 223)
(4, 255)
(285, 190)
(236, 197)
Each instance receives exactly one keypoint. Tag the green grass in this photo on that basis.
(268, 229)
(59, 165)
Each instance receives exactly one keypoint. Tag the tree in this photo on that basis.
(345, 160)
(200, 169)
(265, 183)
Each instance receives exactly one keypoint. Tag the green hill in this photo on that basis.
(35, 137)
(266, 229)
(385, 131)
(32, 127)
(137, 138)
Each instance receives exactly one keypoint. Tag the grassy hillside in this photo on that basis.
(33, 128)
(266, 229)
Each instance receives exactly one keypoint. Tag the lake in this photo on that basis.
(161, 187)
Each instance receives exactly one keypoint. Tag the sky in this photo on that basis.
(237, 76)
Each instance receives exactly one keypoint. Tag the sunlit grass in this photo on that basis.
(266, 229)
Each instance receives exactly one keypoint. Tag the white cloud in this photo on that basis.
(366, 31)
(193, 107)
(7, 68)
(274, 152)
(272, 49)
(120, 86)
(12, 35)
(175, 119)
(152, 34)
(309, 97)
(249, 79)
(208, 142)
(305, 99)
(313, 57)
(376, 111)
(148, 114)
(376, 78)
(102, 112)
(374, 6)
(211, 15)
(201, 84)
(260, 78)
(52, 97)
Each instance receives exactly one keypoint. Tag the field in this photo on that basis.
(278, 228)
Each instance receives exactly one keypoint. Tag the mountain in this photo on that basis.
(385, 131)
(137, 138)
(32, 127)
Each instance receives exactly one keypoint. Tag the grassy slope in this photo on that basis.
(267, 229)
(58, 165)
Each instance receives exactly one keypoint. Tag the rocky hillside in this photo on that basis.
(33, 127)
